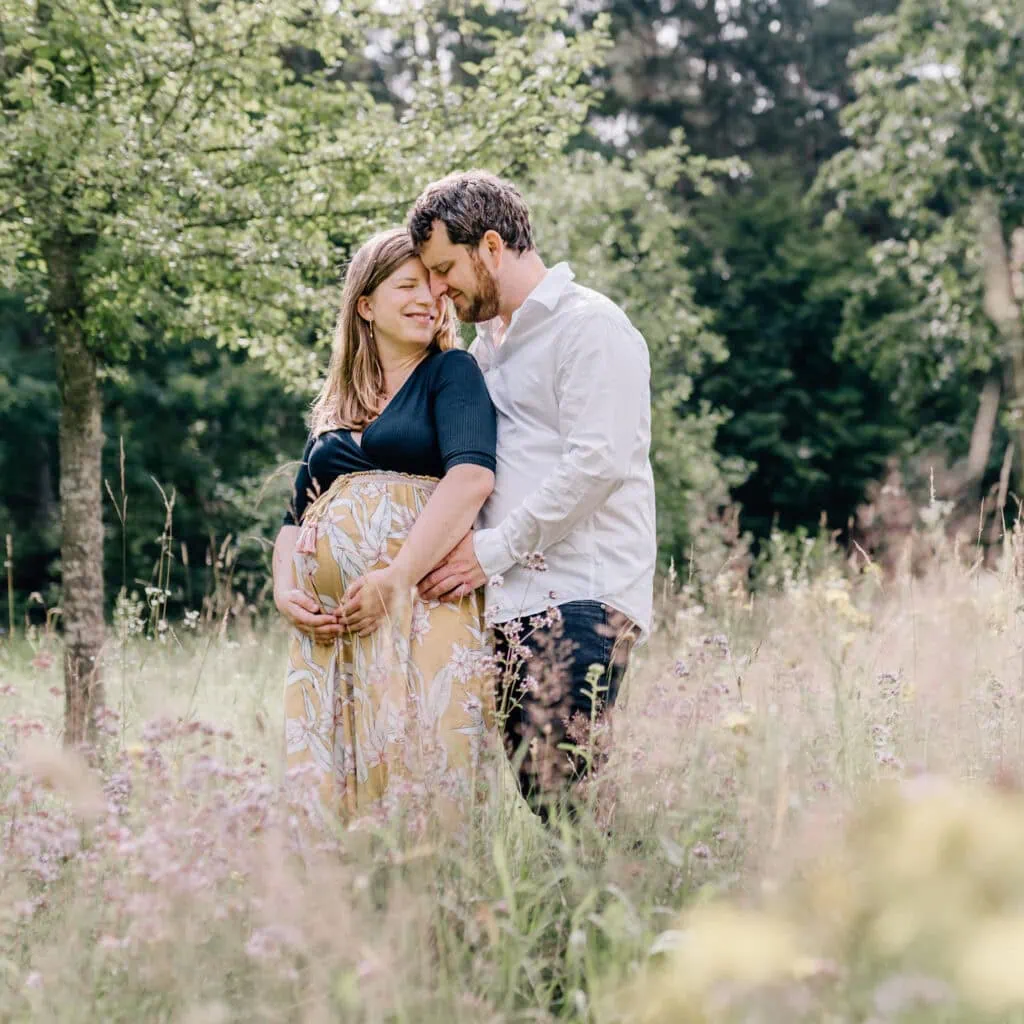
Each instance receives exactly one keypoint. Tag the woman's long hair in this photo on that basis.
(353, 391)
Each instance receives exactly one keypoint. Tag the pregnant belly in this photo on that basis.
(358, 525)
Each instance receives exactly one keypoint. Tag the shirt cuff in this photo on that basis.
(492, 552)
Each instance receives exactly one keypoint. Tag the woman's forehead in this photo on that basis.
(411, 270)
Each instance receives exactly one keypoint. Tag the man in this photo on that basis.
(570, 523)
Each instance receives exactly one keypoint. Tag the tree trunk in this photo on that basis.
(984, 428)
(81, 509)
(1002, 304)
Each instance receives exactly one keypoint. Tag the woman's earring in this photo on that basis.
(370, 324)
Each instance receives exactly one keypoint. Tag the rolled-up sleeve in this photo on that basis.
(603, 390)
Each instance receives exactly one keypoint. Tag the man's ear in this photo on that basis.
(493, 244)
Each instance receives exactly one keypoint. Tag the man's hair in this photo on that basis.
(469, 205)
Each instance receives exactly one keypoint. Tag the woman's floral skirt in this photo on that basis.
(405, 716)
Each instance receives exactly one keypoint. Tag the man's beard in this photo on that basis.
(485, 303)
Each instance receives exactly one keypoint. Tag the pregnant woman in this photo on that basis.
(401, 454)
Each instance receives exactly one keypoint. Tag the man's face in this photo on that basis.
(460, 273)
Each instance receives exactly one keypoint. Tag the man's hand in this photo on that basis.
(303, 612)
(456, 577)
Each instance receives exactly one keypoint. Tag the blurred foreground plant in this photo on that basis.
(920, 905)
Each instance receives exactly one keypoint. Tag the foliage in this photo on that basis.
(196, 173)
(202, 186)
(781, 845)
(815, 427)
(28, 427)
(203, 424)
(913, 915)
(748, 79)
(935, 132)
(620, 228)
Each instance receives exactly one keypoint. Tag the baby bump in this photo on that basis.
(358, 525)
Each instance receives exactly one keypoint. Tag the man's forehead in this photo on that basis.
(439, 241)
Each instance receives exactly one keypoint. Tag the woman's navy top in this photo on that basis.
(442, 416)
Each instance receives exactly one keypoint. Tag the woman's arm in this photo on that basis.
(301, 610)
(465, 422)
(446, 518)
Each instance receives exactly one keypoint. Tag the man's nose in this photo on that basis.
(438, 285)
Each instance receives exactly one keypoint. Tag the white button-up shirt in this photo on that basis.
(571, 384)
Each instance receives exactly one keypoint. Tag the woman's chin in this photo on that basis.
(423, 338)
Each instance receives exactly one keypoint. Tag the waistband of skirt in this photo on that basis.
(377, 476)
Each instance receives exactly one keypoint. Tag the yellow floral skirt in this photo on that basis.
(407, 713)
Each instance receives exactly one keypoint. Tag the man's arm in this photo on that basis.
(603, 391)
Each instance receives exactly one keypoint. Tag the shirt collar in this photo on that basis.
(546, 292)
(551, 286)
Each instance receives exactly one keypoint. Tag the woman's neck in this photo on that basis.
(398, 361)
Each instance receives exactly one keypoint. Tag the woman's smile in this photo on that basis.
(425, 318)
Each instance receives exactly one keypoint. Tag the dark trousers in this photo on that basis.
(557, 677)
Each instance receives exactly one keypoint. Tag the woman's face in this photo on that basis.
(402, 308)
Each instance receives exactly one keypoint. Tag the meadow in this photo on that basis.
(811, 811)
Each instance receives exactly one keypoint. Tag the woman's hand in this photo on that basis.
(303, 612)
(372, 598)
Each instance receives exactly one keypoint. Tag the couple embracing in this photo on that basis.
(471, 542)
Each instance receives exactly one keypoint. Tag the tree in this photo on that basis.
(198, 171)
(937, 141)
(748, 78)
(28, 427)
(815, 426)
(217, 430)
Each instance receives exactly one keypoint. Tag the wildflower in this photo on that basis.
(887, 759)
(546, 620)
(107, 721)
(65, 772)
(737, 722)
(42, 661)
(722, 944)
(806, 968)
(680, 670)
(903, 993)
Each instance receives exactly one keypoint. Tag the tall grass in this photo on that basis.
(769, 840)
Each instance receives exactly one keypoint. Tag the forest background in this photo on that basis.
(809, 207)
